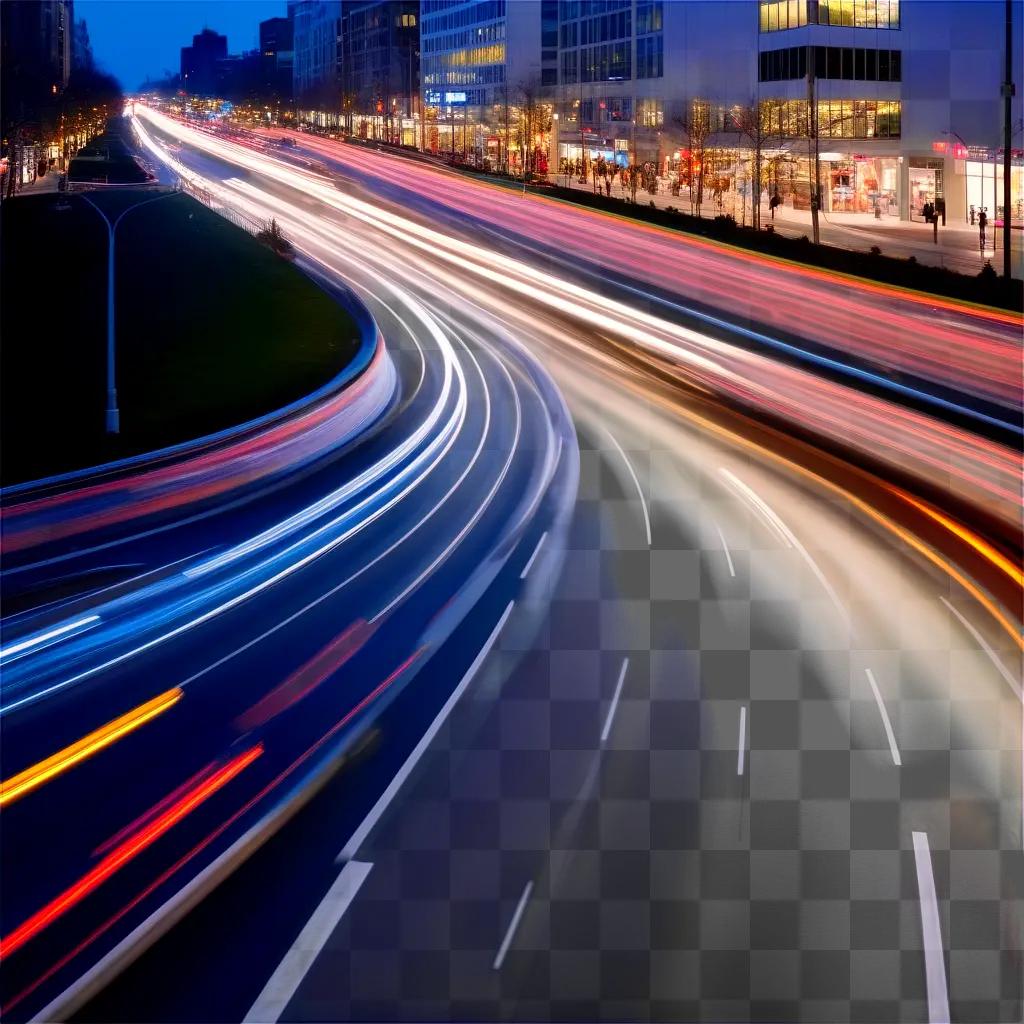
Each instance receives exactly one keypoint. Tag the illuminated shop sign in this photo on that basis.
(435, 98)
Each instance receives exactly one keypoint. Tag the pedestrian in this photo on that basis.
(982, 224)
(972, 215)
(773, 202)
(608, 187)
(926, 212)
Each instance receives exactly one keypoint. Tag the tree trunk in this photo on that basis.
(755, 200)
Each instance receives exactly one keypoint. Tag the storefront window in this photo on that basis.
(860, 184)
(985, 189)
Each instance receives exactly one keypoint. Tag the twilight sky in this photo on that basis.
(135, 38)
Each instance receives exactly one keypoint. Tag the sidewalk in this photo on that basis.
(957, 248)
(47, 183)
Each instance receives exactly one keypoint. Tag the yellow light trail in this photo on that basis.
(18, 785)
(980, 545)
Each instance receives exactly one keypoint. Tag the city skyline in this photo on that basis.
(148, 44)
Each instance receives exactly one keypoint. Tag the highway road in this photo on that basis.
(753, 753)
(193, 640)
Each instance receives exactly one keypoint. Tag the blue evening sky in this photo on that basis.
(135, 38)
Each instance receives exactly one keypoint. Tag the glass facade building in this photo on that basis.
(380, 69)
(485, 66)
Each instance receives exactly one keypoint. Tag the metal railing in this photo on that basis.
(240, 220)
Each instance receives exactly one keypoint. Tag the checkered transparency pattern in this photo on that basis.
(669, 880)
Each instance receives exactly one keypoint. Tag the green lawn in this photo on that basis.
(212, 329)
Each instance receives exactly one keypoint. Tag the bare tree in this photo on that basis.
(695, 122)
(759, 125)
(534, 116)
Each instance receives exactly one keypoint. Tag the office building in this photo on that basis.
(485, 68)
(380, 69)
(317, 62)
(277, 58)
(898, 99)
(199, 63)
(907, 107)
(630, 72)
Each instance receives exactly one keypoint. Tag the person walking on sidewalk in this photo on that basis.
(773, 202)
(982, 224)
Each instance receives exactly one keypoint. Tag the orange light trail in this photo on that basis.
(1005, 623)
(18, 785)
(997, 558)
(115, 860)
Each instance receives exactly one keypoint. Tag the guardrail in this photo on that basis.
(88, 186)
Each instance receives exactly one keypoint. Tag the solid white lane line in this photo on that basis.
(533, 557)
(606, 731)
(513, 925)
(284, 982)
(741, 752)
(357, 838)
(983, 644)
(934, 957)
(789, 537)
(636, 481)
(725, 548)
(766, 513)
(885, 718)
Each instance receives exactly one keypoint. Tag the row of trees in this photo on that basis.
(34, 116)
(760, 128)
(34, 112)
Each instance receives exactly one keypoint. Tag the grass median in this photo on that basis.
(212, 329)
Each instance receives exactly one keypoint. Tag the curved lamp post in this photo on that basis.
(113, 416)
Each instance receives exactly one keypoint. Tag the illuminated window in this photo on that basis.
(779, 15)
(650, 113)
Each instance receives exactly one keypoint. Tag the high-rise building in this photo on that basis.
(36, 51)
(484, 68)
(199, 63)
(81, 48)
(316, 72)
(631, 70)
(381, 60)
(36, 41)
(277, 57)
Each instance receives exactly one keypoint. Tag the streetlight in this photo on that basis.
(113, 417)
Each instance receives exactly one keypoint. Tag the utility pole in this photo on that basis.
(1008, 91)
(812, 129)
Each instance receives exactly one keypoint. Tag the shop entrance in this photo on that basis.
(925, 185)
